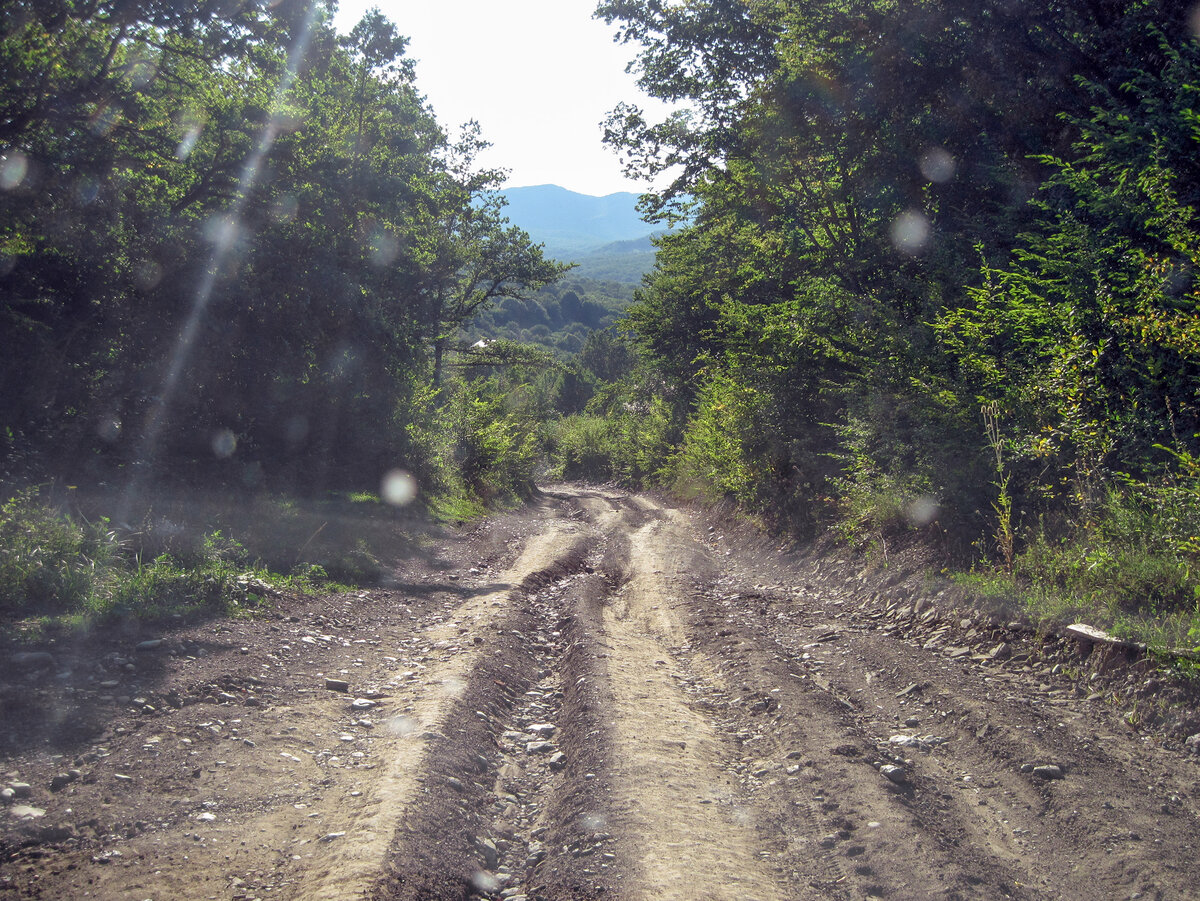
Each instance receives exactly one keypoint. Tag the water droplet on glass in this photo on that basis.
(400, 725)
(399, 488)
(147, 275)
(910, 232)
(104, 120)
(384, 248)
(937, 165)
(109, 428)
(224, 443)
(284, 208)
(14, 165)
(141, 72)
(221, 231)
(87, 190)
(485, 883)
(922, 511)
(190, 137)
(296, 431)
(592, 822)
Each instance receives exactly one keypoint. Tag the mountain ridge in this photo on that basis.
(573, 225)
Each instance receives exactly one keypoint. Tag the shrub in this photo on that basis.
(49, 562)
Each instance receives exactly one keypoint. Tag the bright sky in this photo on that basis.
(538, 75)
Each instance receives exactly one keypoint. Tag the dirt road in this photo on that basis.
(601, 697)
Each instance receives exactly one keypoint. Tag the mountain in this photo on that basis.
(605, 235)
(573, 224)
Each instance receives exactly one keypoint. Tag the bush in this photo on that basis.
(49, 562)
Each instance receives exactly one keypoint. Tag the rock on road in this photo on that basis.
(599, 697)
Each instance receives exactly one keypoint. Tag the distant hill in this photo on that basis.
(574, 224)
(605, 235)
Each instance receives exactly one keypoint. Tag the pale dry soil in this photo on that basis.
(602, 696)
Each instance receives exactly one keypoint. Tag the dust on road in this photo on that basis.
(601, 697)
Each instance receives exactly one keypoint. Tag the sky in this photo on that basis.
(539, 76)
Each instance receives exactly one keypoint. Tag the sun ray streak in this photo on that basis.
(223, 245)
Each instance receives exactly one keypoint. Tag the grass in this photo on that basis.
(59, 569)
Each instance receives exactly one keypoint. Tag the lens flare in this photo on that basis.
(399, 488)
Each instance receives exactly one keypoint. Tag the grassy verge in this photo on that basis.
(1130, 565)
(64, 569)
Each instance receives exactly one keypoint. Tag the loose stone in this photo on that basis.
(896, 774)
(1048, 771)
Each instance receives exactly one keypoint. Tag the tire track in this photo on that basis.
(351, 867)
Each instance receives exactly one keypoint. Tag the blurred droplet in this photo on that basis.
(485, 883)
(284, 208)
(141, 72)
(224, 443)
(147, 275)
(384, 249)
(453, 688)
(14, 165)
(87, 190)
(8, 262)
(399, 488)
(400, 725)
(104, 120)
(592, 822)
(1194, 19)
(109, 429)
(910, 232)
(296, 431)
(922, 511)
(221, 231)
(937, 165)
(190, 136)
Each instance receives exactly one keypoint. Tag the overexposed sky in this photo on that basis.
(538, 75)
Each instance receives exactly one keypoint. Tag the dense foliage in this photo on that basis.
(904, 213)
(231, 237)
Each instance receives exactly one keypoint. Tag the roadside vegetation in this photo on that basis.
(934, 276)
(939, 279)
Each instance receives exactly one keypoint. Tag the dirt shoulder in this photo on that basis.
(603, 696)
